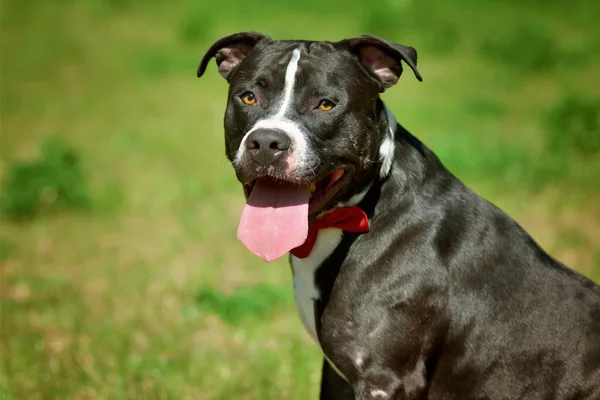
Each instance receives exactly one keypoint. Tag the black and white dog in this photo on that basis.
(413, 286)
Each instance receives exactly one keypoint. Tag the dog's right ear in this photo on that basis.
(383, 58)
(230, 51)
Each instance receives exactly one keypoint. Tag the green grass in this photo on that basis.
(146, 293)
(246, 302)
(52, 182)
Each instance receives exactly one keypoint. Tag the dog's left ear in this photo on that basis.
(230, 51)
(383, 57)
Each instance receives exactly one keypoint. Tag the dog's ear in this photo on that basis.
(383, 57)
(230, 51)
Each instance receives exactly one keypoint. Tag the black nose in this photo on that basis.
(266, 146)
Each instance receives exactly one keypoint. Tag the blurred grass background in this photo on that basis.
(121, 277)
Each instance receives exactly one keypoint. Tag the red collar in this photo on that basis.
(349, 219)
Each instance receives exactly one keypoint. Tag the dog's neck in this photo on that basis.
(403, 161)
(399, 190)
(388, 145)
(386, 154)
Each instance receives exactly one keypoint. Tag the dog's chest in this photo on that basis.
(305, 288)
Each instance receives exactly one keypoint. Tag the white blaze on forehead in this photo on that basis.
(290, 80)
(278, 121)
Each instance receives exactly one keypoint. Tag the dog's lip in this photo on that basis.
(322, 191)
(321, 198)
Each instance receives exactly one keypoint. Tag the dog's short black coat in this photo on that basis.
(474, 308)
(446, 297)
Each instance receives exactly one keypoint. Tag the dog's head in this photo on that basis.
(306, 116)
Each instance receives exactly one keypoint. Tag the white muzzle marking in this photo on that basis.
(300, 147)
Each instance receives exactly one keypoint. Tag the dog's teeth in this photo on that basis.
(313, 187)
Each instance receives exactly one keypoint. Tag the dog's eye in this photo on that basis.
(326, 105)
(248, 98)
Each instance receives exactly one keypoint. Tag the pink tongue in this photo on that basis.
(275, 219)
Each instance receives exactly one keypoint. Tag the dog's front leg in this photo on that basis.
(334, 387)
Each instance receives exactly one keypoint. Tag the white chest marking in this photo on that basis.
(305, 289)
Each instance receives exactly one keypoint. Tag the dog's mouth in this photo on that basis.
(279, 212)
(321, 192)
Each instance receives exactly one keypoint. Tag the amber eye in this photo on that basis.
(248, 98)
(326, 105)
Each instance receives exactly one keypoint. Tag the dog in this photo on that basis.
(413, 286)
